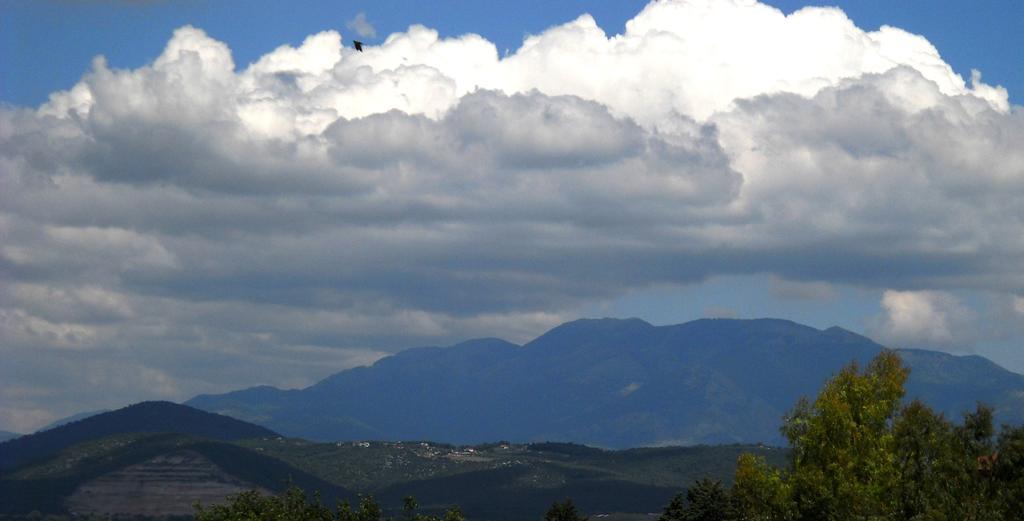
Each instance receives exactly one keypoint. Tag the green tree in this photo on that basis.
(924, 461)
(707, 500)
(409, 506)
(1009, 468)
(858, 455)
(293, 505)
(564, 511)
(974, 488)
(676, 509)
(761, 492)
(368, 510)
(454, 514)
(843, 464)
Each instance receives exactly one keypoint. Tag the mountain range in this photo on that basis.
(611, 383)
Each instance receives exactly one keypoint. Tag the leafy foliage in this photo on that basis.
(857, 454)
(707, 500)
(842, 457)
(564, 511)
(293, 505)
(760, 491)
(676, 509)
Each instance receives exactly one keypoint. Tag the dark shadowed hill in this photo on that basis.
(145, 417)
(610, 383)
(148, 476)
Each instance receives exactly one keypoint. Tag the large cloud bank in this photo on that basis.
(193, 225)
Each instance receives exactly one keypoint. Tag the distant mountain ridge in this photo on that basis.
(144, 417)
(610, 383)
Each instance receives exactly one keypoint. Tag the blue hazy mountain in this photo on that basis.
(610, 383)
(7, 435)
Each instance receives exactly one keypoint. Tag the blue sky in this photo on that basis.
(249, 201)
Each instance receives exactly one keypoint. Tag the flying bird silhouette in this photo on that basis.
(358, 44)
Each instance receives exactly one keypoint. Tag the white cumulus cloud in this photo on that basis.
(341, 204)
(362, 26)
(916, 318)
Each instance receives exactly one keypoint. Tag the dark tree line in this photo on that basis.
(294, 505)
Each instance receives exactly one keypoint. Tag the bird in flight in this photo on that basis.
(358, 44)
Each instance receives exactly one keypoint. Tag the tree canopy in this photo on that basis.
(293, 505)
(564, 511)
(706, 500)
(857, 453)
